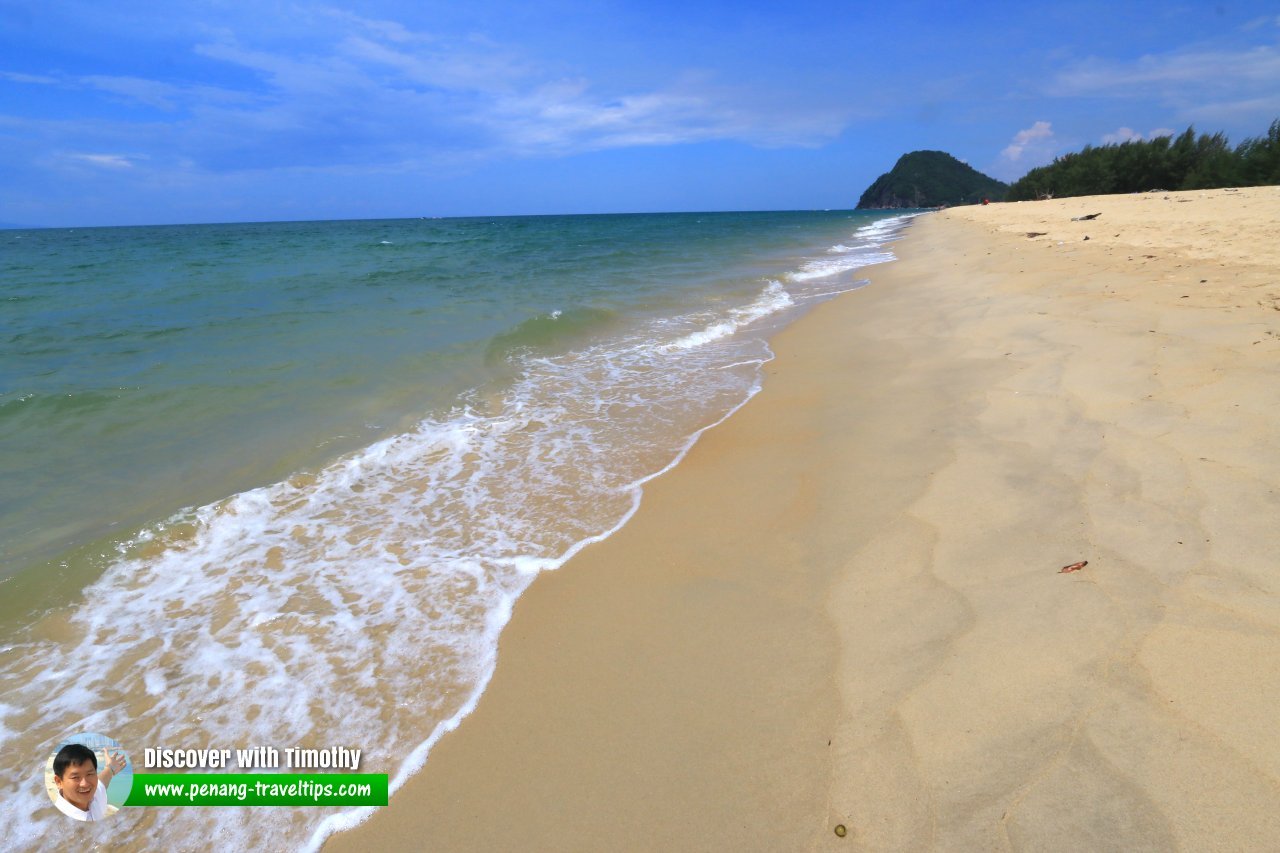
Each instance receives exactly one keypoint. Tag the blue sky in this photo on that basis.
(143, 112)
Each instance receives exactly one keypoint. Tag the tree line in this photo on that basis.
(1185, 162)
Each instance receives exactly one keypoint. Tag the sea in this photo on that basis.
(280, 484)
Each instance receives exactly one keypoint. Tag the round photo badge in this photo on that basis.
(88, 776)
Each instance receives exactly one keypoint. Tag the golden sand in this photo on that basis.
(846, 606)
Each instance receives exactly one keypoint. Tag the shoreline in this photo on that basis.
(845, 605)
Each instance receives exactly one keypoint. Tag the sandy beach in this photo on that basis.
(846, 606)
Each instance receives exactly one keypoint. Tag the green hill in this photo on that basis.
(930, 179)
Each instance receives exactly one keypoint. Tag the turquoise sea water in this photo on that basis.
(323, 459)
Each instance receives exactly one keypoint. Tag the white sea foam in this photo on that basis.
(6, 734)
(885, 230)
(827, 293)
(771, 300)
(824, 267)
(866, 251)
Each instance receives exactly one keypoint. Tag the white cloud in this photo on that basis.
(389, 30)
(28, 78)
(1029, 142)
(331, 90)
(149, 92)
(1124, 134)
(1170, 74)
(1259, 111)
(1261, 22)
(567, 116)
(1030, 147)
(153, 93)
(449, 68)
(431, 97)
(1128, 134)
(1195, 84)
(106, 161)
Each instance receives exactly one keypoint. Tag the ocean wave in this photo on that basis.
(824, 267)
(772, 299)
(552, 332)
(871, 237)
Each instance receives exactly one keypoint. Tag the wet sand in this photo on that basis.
(846, 605)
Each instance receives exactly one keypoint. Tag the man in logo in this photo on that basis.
(82, 792)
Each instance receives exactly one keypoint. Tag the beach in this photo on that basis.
(307, 547)
(847, 605)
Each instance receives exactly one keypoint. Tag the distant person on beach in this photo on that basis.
(82, 792)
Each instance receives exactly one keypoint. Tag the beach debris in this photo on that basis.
(1036, 233)
(840, 830)
(1086, 217)
(1086, 236)
(1074, 567)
